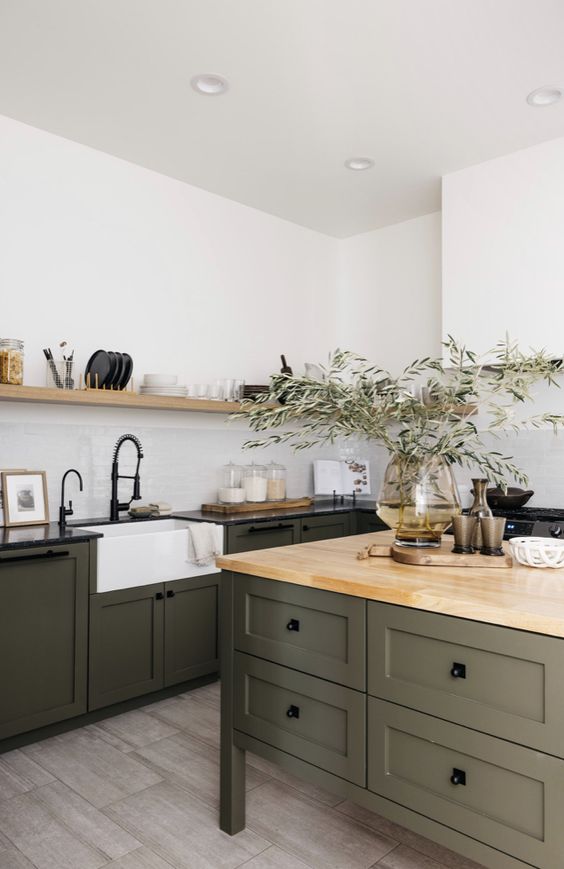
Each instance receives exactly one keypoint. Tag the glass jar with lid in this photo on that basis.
(11, 361)
(255, 482)
(275, 482)
(231, 490)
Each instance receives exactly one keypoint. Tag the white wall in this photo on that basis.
(104, 253)
(390, 299)
(503, 263)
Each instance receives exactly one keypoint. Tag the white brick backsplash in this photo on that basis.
(182, 462)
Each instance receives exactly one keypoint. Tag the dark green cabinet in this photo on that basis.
(126, 644)
(191, 641)
(43, 636)
(367, 522)
(249, 536)
(325, 527)
(146, 638)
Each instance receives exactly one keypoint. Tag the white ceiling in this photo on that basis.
(424, 87)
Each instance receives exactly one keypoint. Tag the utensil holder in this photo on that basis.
(59, 374)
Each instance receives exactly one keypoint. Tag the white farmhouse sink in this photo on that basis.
(144, 553)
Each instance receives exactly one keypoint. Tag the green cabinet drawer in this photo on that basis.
(318, 632)
(508, 797)
(497, 680)
(249, 536)
(325, 527)
(317, 721)
(367, 522)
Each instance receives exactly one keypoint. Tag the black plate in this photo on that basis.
(99, 364)
(113, 368)
(127, 370)
(116, 379)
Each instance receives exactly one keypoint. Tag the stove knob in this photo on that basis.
(555, 530)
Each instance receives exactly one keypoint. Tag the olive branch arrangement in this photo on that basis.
(426, 411)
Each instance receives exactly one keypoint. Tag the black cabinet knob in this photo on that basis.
(458, 671)
(305, 528)
(159, 595)
(293, 625)
(458, 777)
(293, 712)
(170, 593)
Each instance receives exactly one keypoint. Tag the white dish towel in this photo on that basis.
(205, 538)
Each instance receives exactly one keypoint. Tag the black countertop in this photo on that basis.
(26, 536)
(321, 508)
(51, 535)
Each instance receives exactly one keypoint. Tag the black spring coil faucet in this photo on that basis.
(115, 505)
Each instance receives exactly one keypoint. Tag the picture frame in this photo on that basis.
(4, 471)
(24, 495)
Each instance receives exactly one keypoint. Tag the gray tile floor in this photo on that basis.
(140, 791)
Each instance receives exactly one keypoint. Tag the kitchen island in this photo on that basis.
(433, 696)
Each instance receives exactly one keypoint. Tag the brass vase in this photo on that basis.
(418, 499)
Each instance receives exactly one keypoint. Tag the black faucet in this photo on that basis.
(67, 511)
(115, 505)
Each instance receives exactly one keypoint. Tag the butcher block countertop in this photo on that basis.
(519, 597)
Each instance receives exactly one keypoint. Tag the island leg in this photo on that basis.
(232, 758)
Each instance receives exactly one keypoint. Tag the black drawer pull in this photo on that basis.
(51, 553)
(293, 712)
(293, 625)
(159, 595)
(279, 527)
(170, 593)
(305, 528)
(458, 671)
(458, 777)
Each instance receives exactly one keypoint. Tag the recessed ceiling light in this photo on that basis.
(545, 96)
(358, 164)
(209, 84)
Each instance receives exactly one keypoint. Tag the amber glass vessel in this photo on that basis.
(418, 499)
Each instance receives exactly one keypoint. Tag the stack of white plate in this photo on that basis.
(162, 384)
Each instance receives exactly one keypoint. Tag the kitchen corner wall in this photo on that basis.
(389, 304)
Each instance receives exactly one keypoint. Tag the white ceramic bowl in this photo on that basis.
(161, 379)
(537, 551)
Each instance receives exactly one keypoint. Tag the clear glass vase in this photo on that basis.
(418, 499)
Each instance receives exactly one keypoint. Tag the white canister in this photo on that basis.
(255, 483)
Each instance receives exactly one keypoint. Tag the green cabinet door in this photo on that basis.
(262, 535)
(126, 644)
(43, 636)
(191, 630)
(367, 522)
(325, 527)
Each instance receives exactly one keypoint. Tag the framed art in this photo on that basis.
(3, 471)
(24, 495)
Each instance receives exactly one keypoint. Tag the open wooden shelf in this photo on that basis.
(108, 398)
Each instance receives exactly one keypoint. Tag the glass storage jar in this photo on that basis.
(11, 361)
(275, 482)
(231, 490)
(255, 483)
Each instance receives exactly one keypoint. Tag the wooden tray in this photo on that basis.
(443, 556)
(288, 504)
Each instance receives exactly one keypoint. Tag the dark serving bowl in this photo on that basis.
(510, 500)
